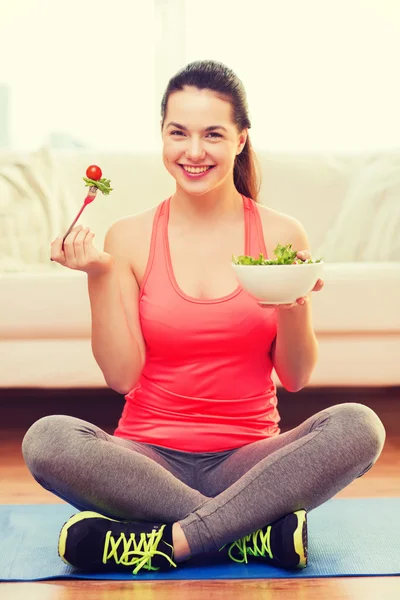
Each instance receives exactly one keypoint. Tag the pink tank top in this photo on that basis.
(206, 385)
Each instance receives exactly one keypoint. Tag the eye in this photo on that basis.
(213, 133)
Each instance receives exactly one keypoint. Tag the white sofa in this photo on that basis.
(44, 308)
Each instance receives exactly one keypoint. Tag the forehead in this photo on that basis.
(192, 106)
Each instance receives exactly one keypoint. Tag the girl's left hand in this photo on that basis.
(303, 255)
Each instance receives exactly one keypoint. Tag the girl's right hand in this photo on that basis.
(79, 252)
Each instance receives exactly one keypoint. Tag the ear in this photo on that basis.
(242, 141)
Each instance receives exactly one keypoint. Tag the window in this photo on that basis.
(319, 75)
(77, 73)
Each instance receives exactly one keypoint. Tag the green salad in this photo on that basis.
(102, 184)
(284, 256)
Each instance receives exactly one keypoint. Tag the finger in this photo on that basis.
(87, 244)
(69, 241)
(304, 254)
(288, 306)
(56, 253)
(79, 246)
(318, 286)
(285, 306)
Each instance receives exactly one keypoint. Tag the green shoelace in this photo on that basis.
(254, 544)
(133, 552)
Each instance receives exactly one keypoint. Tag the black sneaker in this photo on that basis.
(282, 544)
(93, 542)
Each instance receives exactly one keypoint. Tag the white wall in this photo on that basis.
(321, 75)
(84, 67)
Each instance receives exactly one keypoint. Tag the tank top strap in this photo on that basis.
(254, 231)
(157, 258)
(158, 254)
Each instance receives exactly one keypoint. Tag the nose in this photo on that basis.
(195, 150)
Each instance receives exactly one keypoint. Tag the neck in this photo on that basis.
(213, 206)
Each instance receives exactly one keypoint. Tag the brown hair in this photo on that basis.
(215, 76)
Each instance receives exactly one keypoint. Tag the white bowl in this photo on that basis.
(278, 284)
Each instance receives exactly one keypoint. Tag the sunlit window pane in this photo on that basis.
(80, 70)
(319, 74)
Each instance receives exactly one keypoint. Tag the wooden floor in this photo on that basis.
(18, 487)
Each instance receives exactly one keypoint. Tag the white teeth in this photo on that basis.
(195, 169)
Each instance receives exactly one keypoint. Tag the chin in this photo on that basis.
(195, 193)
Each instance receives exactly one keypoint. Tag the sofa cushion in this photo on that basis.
(356, 297)
(34, 206)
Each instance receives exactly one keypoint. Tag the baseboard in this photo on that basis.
(20, 407)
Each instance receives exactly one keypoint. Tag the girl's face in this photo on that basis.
(199, 136)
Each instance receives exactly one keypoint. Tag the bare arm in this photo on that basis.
(295, 349)
(117, 342)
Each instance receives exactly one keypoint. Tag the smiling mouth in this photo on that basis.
(196, 170)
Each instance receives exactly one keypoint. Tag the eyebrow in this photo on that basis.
(210, 128)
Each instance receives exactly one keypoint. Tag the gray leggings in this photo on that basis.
(217, 497)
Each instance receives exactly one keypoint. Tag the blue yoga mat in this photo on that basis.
(347, 537)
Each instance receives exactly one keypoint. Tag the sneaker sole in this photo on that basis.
(62, 540)
(300, 538)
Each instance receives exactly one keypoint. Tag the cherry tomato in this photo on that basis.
(94, 172)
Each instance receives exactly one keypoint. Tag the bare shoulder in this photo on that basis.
(130, 237)
(134, 227)
(280, 228)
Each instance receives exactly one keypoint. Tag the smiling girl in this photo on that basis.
(198, 464)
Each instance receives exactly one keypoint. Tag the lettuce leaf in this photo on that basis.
(102, 184)
(285, 255)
